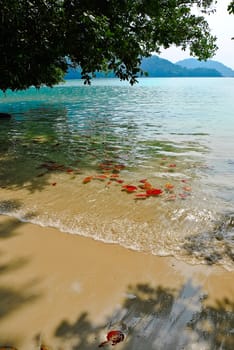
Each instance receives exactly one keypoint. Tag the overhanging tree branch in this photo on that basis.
(40, 39)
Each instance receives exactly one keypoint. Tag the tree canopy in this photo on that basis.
(40, 39)
(231, 7)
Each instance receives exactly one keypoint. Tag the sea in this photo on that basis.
(149, 167)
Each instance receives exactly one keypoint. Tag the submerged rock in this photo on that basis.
(5, 115)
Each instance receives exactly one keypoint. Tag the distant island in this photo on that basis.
(159, 67)
(191, 63)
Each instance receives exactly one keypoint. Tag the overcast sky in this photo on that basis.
(222, 26)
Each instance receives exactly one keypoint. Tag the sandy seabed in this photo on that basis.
(68, 292)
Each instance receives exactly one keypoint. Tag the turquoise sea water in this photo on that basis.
(176, 133)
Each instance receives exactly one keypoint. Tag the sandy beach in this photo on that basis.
(68, 291)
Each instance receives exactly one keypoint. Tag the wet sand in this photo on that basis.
(68, 291)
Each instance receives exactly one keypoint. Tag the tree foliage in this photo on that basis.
(231, 7)
(39, 39)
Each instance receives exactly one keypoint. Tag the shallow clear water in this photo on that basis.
(176, 133)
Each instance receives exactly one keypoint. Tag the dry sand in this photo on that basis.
(69, 291)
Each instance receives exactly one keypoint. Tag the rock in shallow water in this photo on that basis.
(5, 115)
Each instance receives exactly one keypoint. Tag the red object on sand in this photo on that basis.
(187, 188)
(145, 185)
(154, 192)
(114, 337)
(129, 188)
(100, 177)
(141, 196)
(87, 179)
(183, 195)
(143, 181)
(120, 181)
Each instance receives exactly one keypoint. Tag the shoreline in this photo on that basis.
(67, 291)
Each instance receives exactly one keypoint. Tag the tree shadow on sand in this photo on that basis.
(12, 298)
(156, 319)
(213, 247)
(216, 323)
(12, 265)
(8, 227)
